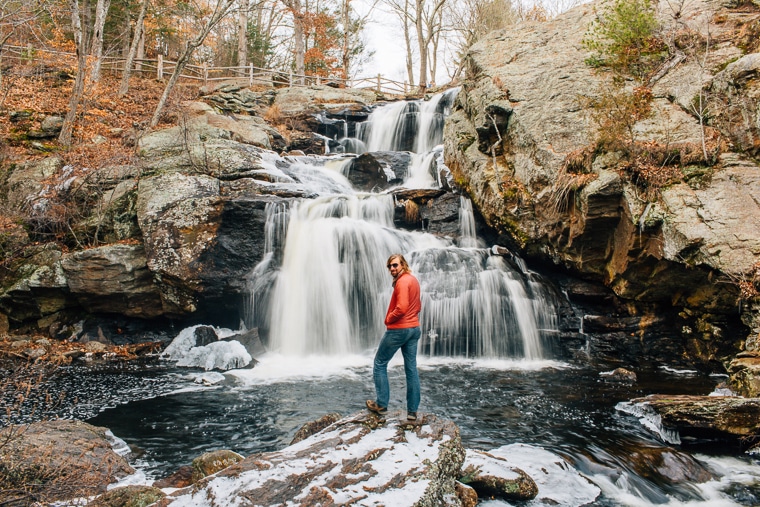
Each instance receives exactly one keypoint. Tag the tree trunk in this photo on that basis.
(101, 10)
(299, 43)
(408, 41)
(346, 50)
(242, 50)
(222, 6)
(76, 94)
(299, 46)
(435, 31)
(136, 38)
(421, 43)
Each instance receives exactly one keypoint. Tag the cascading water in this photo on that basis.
(323, 287)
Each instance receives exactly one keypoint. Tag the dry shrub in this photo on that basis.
(574, 174)
(748, 38)
(273, 115)
(616, 111)
(579, 161)
(689, 40)
(411, 211)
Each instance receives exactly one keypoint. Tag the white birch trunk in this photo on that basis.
(242, 56)
(101, 10)
(136, 39)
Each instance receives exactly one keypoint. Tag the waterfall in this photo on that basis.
(467, 236)
(323, 288)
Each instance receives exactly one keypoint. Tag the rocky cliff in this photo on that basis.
(524, 142)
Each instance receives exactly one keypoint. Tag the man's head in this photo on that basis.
(397, 265)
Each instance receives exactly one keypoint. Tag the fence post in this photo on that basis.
(160, 67)
(205, 73)
(250, 74)
(378, 83)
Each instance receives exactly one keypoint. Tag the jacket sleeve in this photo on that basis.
(401, 293)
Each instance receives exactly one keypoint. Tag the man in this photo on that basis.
(403, 332)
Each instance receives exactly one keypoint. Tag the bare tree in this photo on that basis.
(352, 47)
(469, 20)
(425, 17)
(221, 8)
(405, 13)
(299, 36)
(137, 37)
(242, 48)
(14, 15)
(427, 22)
(101, 10)
(76, 94)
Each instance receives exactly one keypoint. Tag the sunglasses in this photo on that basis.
(394, 265)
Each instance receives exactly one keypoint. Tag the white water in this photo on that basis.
(322, 287)
(330, 291)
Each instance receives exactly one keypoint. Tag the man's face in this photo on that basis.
(394, 267)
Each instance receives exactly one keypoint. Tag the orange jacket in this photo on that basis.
(405, 305)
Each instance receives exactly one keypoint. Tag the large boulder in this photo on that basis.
(39, 287)
(493, 476)
(357, 459)
(27, 180)
(61, 460)
(179, 216)
(200, 245)
(717, 417)
(518, 125)
(113, 279)
(128, 496)
(378, 171)
(197, 147)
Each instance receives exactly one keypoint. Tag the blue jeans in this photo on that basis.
(394, 339)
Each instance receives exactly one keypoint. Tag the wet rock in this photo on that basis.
(667, 465)
(716, 417)
(441, 215)
(199, 244)
(467, 496)
(182, 478)
(378, 170)
(63, 460)
(113, 279)
(212, 462)
(313, 427)
(251, 341)
(492, 476)
(128, 496)
(620, 375)
(744, 373)
(357, 459)
(205, 335)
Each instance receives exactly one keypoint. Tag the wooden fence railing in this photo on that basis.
(206, 74)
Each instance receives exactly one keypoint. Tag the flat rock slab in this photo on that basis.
(728, 416)
(359, 460)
